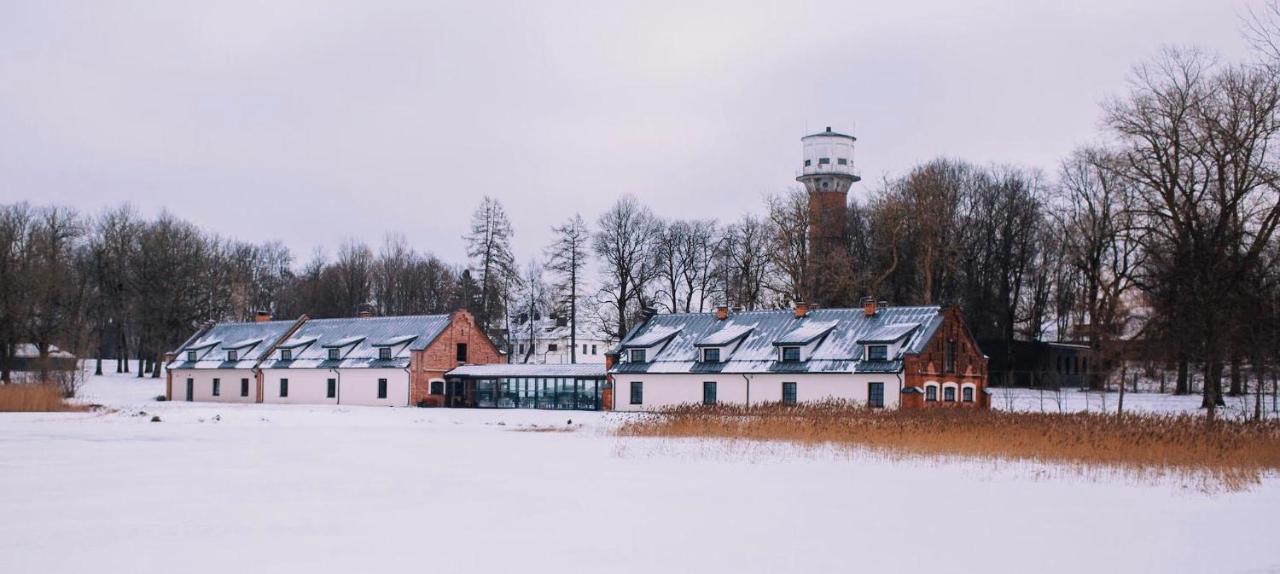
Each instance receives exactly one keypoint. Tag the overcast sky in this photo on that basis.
(313, 122)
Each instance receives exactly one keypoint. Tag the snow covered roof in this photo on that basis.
(725, 336)
(31, 351)
(256, 338)
(365, 335)
(806, 333)
(836, 332)
(889, 333)
(579, 370)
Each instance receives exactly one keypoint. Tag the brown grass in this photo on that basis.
(1234, 455)
(29, 398)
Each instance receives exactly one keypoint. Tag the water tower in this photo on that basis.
(827, 174)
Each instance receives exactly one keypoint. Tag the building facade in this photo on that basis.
(548, 341)
(375, 361)
(875, 356)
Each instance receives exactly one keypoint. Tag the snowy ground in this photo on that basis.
(1075, 400)
(278, 488)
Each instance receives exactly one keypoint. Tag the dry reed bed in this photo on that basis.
(31, 398)
(1234, 454)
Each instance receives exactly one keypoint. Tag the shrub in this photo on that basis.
(47, 397)
(1235, 453)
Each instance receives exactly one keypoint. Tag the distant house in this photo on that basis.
(26, 357)
(393, 361)
(547, 341)
(882, 357)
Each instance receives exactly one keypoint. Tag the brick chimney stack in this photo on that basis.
(261, 317)
(722, 312)
(363, 314)
(869, 306)
(802, 309)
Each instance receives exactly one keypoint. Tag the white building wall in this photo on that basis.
(670, 390)
(202, 385)
(306, 386)
(360, 387)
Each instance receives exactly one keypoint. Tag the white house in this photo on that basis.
(375, 361)
(879, 357)
(547, 341)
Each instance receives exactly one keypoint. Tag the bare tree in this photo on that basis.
(566, 259)
(492, 262)
(624, 242)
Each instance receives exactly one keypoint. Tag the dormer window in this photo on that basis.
(384, 353)
(286, 354)
(711, 355)
(877, 352)
(231, 355)
(791, 354)
(334, 354)
(191, 356)
(636, 356)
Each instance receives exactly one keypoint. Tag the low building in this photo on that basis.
(883, 357)
(391, 361)
(548, 341)
(536, 386)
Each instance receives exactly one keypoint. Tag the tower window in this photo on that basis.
(842, 161)
(808, 162)
(824, 161)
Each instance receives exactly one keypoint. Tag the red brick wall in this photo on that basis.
(440, 356)
(970, 365)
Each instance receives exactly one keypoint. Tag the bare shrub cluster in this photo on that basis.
(1234, 454)
(29, 398)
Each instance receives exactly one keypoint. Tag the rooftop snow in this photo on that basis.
(889, 333)
(806, 333)
(582, 370)
(725, 336)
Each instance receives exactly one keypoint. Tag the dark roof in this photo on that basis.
(313, 340)
(837, 333)
(828, 133)
(210, 356)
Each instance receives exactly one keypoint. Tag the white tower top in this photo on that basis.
(828, 163)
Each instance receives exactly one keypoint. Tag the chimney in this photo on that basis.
(869, 307)
(261, 317)
(802, 309)
(363, 314)
(722, 313)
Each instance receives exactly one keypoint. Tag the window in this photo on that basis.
(824, 161)
(217, 387)
(552, 347)
(931, 393)
(808, 162)
(637, 393)
(437, 387)
(584, 348)
(875, 395)
(521, 348)
(791, 354)
(286, 354)
(231, 355)
(334, 354)
(284, 388)
(191, 389)
(967, 393)
(949, 394)
(382, 388)
(384, 353)
(191, 356)
(877, 352)
(636, 356)
(593, 349)
(711, 355)
(788, 393)
(462, 352)
(709, 393)
(949, 361)
(842, 161)
(332, 390)
(244, 387)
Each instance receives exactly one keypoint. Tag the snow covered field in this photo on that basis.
(1074, 400)
(285, 488)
